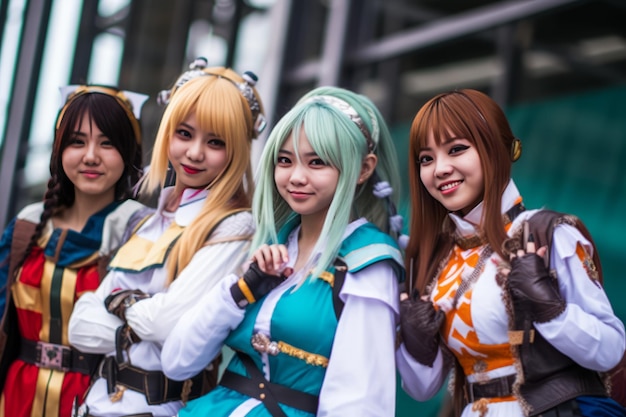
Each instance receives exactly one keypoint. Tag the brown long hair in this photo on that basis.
(472, 115)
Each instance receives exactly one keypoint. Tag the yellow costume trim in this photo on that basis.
(262, 344)
(328, 277)
(309, 358)
(139, 254)
(245, 290)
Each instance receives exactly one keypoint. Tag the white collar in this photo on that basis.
(468, 224)
(190, 204)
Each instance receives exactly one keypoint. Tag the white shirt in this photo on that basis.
(92, 328)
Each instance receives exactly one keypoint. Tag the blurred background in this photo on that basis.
(558, 67)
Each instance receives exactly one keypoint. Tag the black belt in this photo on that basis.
(269, 393)
(496, 387)
(58, 357)
(157, 388)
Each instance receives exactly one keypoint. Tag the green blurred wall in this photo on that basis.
(573, 160)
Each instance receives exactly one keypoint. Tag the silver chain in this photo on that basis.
(466, 283)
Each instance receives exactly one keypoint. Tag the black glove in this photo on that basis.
(419, 328)
(253, 285)
(119, 300)
(535, 294)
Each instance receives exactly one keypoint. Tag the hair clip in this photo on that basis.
(195, 70)
(516, 149)
(383, 190)
(247, 92)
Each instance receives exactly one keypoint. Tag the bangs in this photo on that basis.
(444, 119)
(217, 109)
(223, 110)
(315, 123)
(320, 124)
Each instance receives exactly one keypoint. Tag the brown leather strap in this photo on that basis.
(157, 388)
(256, 386)
(340, 276)
(496, 387)
(22, 233)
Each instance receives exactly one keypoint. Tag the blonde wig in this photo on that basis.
(221, 108)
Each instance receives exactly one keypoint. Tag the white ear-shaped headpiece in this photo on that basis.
(137, 100)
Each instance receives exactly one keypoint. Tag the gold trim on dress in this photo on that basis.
(328, 277)
(262, 343)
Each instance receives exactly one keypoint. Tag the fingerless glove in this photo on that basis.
(419, 328)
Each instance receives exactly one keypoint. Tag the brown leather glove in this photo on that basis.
(535, 294)
(419, 328)
(119, 300)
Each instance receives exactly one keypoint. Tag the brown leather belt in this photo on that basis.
(157, 388)
(496, 387)
(58, 357)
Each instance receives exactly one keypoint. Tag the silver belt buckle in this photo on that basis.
(51, 356)
(262, 344)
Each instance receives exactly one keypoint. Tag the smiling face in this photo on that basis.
(304, 180)
(451, 172)
(91, 162)
(198, 156)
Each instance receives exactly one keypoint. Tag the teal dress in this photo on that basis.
(304, 324)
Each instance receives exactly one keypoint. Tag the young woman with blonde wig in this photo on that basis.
(201, 226)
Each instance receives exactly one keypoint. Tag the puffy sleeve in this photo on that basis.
(91, 328)
(154, 318)
(588, 330)
(198, 336)
(421, 382)
(361, 379)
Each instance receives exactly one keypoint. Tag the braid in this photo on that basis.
(50, 203)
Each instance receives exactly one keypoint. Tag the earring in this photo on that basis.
(516, 149)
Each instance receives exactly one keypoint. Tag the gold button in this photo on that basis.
(262, 396)
(261, 385)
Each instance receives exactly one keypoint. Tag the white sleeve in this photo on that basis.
(199, 335)
(421, 382)
(587, 331)
(361, 378)
(91, 327)
(154, 318)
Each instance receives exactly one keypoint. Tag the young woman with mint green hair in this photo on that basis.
(322, 121)
(320, 297)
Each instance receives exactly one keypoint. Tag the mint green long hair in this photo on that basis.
(338, 142)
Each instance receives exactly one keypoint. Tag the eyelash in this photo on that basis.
(458, 148)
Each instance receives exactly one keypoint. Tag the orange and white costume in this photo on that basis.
(476, 327)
